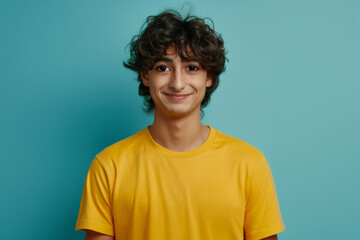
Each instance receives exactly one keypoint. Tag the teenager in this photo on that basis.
(179, 179)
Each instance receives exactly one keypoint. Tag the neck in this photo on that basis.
(179, 134)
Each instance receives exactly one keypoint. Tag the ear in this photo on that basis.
(209, 80)
(145, 78)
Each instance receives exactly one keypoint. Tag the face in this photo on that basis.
(177, 86)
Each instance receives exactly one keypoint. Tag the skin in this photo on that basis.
(177, 87)
(91, 235)
(274, 237)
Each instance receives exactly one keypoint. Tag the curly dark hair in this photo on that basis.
(190, 36)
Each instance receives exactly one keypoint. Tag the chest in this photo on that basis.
(193, 190)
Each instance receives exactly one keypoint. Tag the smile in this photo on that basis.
(176, 97)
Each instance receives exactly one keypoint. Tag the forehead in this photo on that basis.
(172, 53)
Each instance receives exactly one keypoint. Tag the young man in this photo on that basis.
(178, 179)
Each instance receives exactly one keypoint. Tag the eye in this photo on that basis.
(162, 68)
(192, 68)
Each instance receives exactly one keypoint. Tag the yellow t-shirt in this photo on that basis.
(136, 189)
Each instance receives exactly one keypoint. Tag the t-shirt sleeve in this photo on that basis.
(262, 212)
(95, 209)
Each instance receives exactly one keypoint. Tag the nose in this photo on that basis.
(177, 81)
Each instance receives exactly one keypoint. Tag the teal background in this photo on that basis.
(291, 89)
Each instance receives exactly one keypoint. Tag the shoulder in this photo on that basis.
(235, 144)
(122, 149)
(238, 149)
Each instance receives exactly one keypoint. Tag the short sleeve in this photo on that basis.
(95, 209)
(262, 212)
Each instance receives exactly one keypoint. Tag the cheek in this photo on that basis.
(202, 85)
(154, 91)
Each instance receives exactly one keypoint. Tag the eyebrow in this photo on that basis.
(165, 59)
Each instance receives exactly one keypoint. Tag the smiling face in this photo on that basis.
(177, 86)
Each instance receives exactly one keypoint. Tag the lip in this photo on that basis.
(176, 97)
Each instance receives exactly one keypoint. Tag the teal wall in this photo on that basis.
(291, 89)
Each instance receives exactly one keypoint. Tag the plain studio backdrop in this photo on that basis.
(291, 89)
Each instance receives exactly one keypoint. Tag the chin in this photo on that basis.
(177, 113)
(180, 112)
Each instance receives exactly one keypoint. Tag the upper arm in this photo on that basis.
(274, 237)
(95, 208)
(262, 212)
(91, 235)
